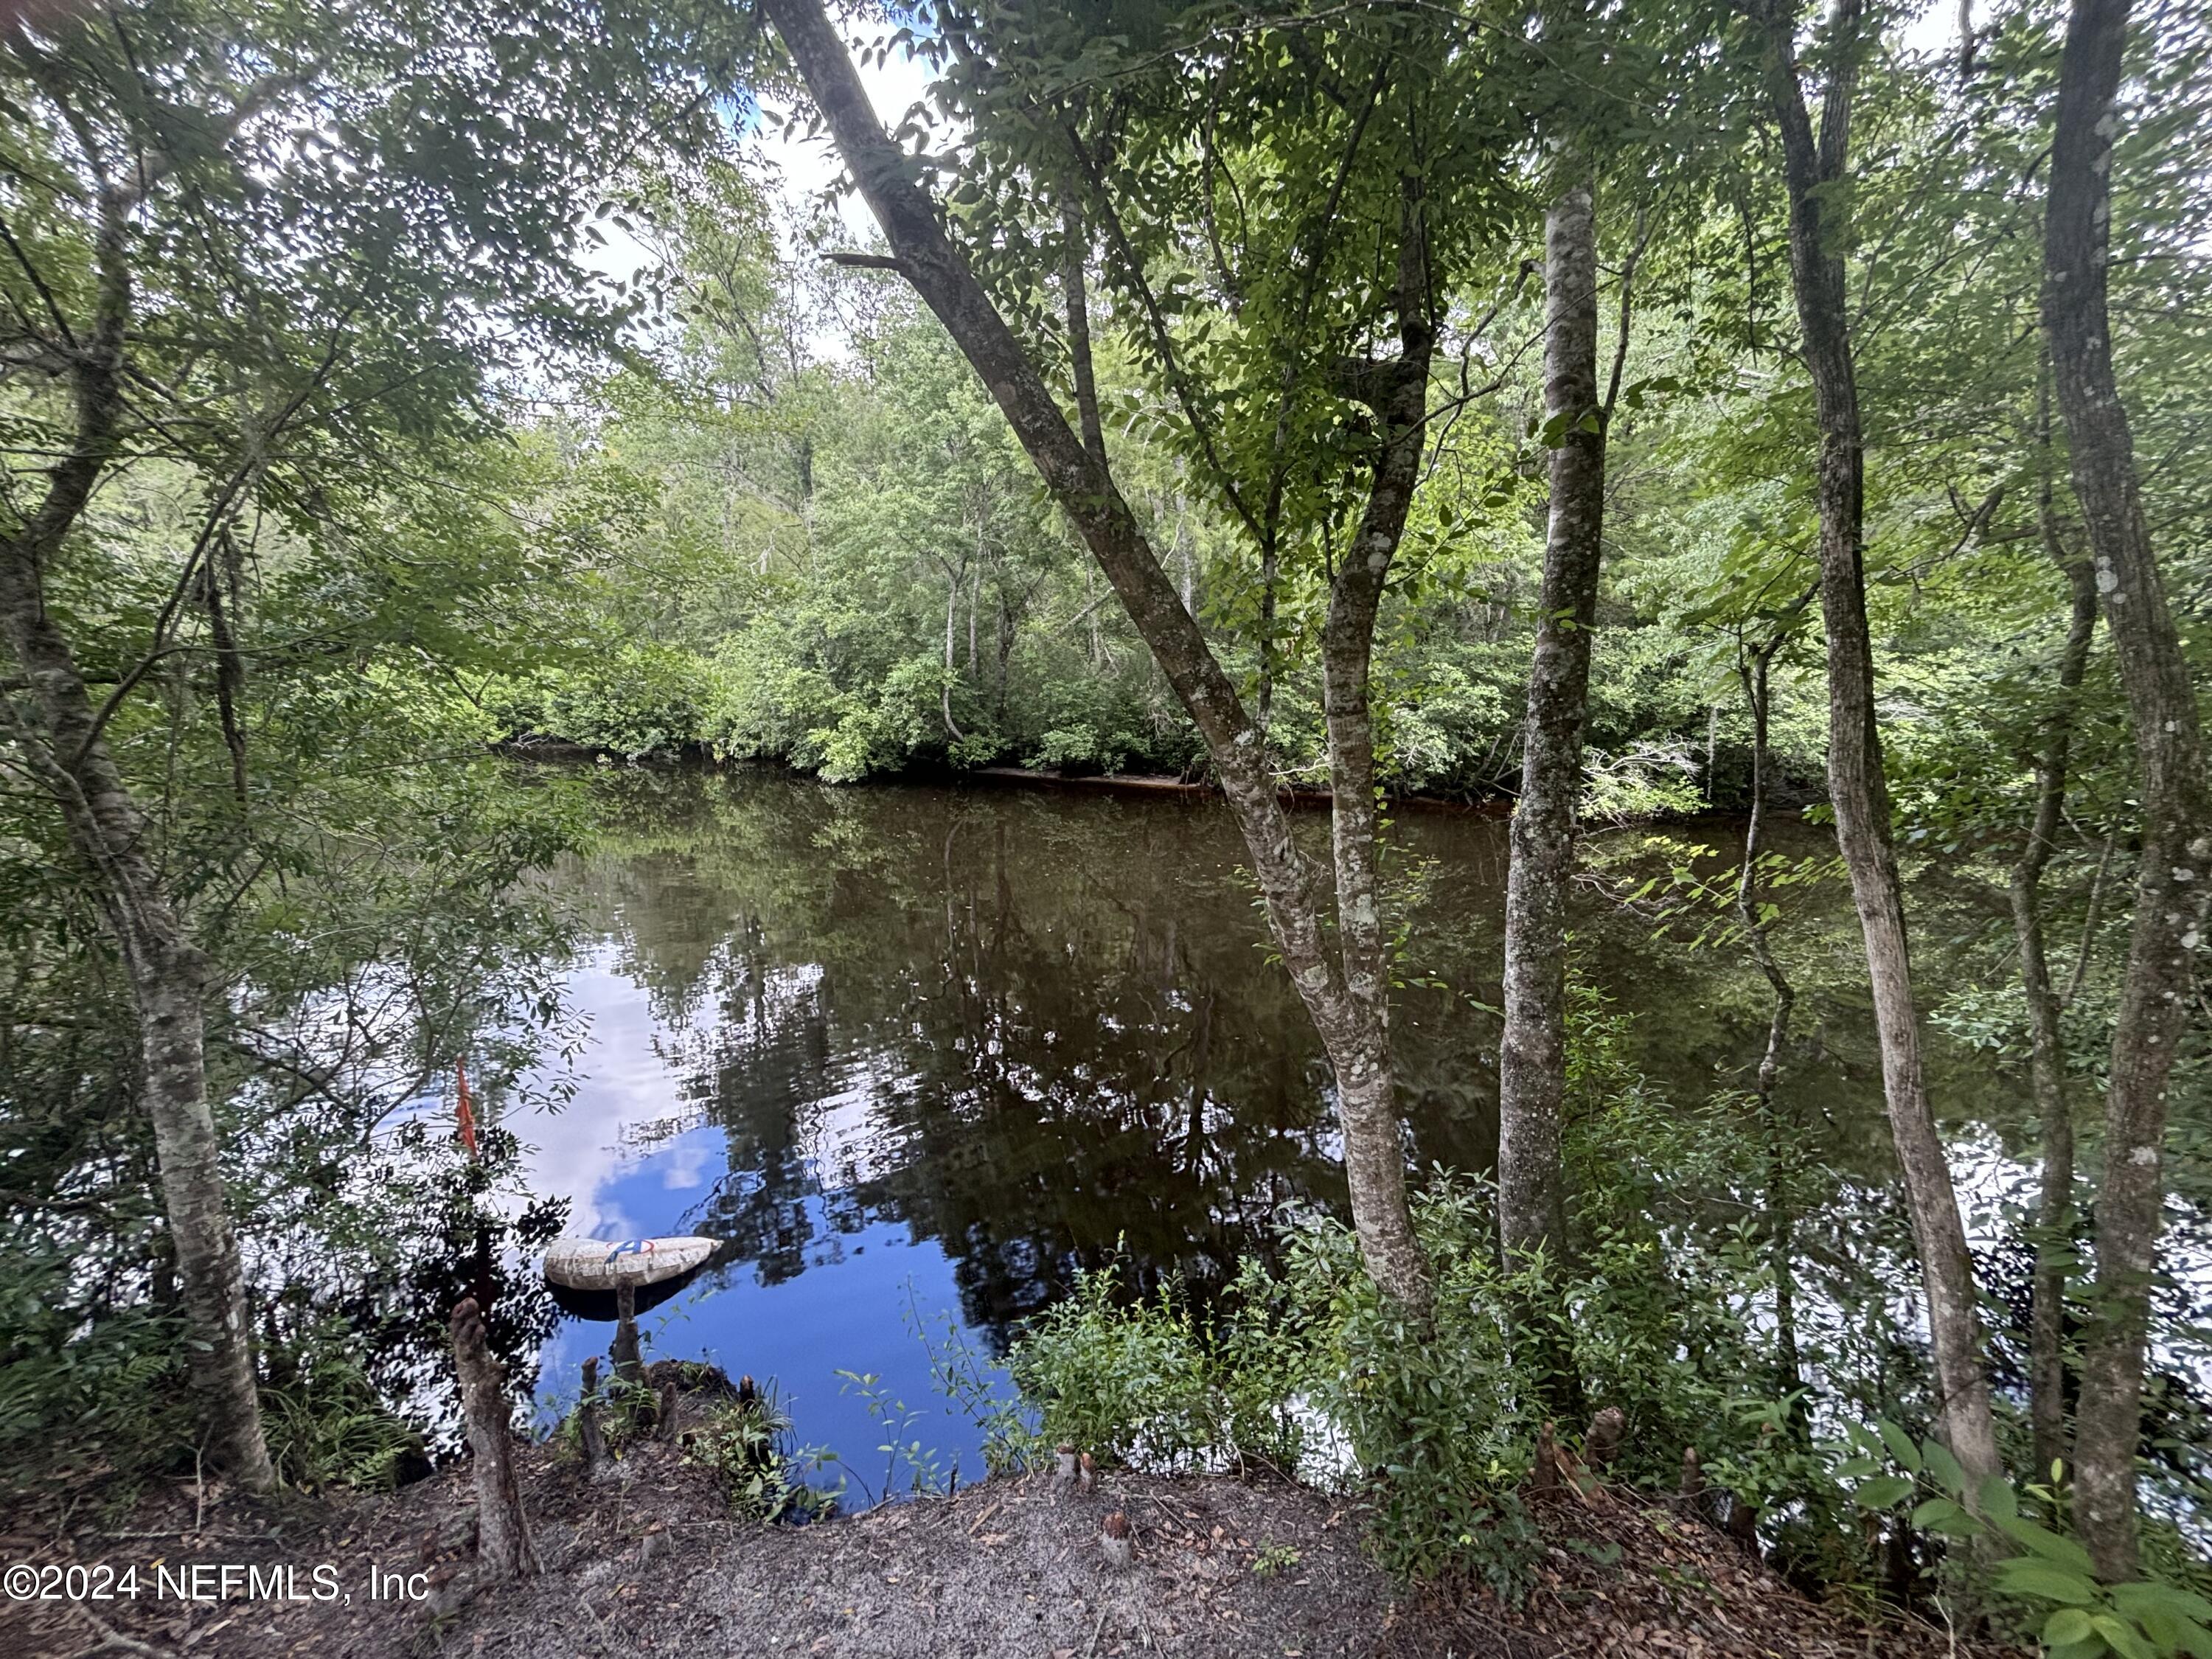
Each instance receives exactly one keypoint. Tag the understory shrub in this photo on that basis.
(1664, 1311)
(1309, 1368)
(641, 699)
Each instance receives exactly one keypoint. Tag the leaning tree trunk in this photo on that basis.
(2054, 1221)
(1815, 174)
(1289, 882)
(1532, 1062)
(2175, 874)
(60, 735)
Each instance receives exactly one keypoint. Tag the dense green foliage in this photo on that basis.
(298, 553)
(398, 478)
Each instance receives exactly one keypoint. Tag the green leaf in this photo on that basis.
(2049, 1545)
(2121, 1637)
(2134, 1599)
(2067, 1625)
(1945, 1467)
(2041, 1581)
(1900, 1446)
(1946, 1519)
(1999, 1501)
(1883, 1492)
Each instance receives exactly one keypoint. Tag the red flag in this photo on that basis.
(461, 1112)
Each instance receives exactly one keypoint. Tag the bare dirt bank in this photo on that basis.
(646, 1560)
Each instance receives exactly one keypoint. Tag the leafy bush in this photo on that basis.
(2050, 1581)
(1310, 1369)
(1643, 781)
(110, 1390)
(1663, 1313)
(640, 699)
(1146, 1384)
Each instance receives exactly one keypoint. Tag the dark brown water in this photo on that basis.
(919, 1054)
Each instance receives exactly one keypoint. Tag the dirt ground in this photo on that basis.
(646, 1560)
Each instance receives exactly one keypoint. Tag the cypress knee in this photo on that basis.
(594, 1438)
(1547, 1459)
(1602, 1444)
(1117, 1541)
(666, 1427)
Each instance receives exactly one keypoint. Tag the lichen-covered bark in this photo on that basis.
(1814, 173)
(58, 732)
(1366, 1075)
(1289, 882)
(2175, 874)
(1532, 1065)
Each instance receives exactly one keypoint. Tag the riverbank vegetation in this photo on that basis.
(1625, 415)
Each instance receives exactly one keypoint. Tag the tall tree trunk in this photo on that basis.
(60, 735)
(2175, 875)
(2054, 1221)
(1289, 882)
(1366, 1077)
(1815, 173)
(1270, 580)
(1532, 1064)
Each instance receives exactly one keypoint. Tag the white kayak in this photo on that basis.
(596, 1264)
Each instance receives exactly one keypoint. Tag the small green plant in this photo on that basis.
(326, 1424)
(975, 1386)
(746, 1442)
(2074, 1614)
(1274, 1559)
(1145, 1382)
(924, 1466)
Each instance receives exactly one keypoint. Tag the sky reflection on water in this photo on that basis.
(922, 1055)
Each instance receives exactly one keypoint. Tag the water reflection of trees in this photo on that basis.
(1034, 1028)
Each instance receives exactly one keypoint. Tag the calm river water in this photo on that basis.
(918, 1055)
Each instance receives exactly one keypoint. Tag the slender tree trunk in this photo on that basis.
(1816, 172)
(1532, 1064)
(1186, 546)
(1075, 291)
(1270, 580)
(60, 735)
(1780, 1140)
(952, 615)
(2054, 1222)
(1289, 882)
(229, 664)
(2175, 874)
